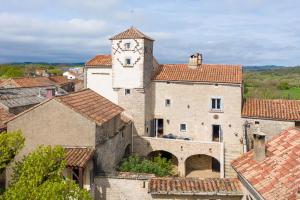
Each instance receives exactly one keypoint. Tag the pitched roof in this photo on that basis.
(131, 33)
(60, 80)
(278, 109)
(91, 105)
(99, 61)
(16, 97)
(216, 73)
(29, 82)
(195, 186)
(78, 157)
(4, 116)
(278, 175)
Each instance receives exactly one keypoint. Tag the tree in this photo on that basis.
(10, 145)
(39, 176)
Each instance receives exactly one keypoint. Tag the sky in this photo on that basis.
(247, 32)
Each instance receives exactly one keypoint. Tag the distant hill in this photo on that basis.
(261, 68)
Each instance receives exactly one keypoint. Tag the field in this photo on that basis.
(279, 83)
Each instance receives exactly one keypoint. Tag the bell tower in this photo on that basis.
(132, 70)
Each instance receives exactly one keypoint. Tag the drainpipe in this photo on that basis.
(245, 136)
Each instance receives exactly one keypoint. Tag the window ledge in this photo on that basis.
(127, 65)
(216, 111)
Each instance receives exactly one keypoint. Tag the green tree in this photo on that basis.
(39, 176)
(283, 86)
(10, 145)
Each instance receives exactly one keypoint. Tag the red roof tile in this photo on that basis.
(216, 73)
(272, 109)
(278, 175)
(60, 80)
(78, 157)
(131, 33)
(99, 61)
(195, 186)
(91, 105)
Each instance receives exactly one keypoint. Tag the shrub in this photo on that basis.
(283, 86)
(158, 166)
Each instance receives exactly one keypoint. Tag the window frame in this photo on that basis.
(127, 45)
(212, 105)
(127, 92)
(181, 130)
(167, 104)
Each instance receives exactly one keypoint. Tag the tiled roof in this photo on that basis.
(60, 80)
(78, 157)
(99, 60)
(4, 116)
(16, 97)
(216, 73)
(278, 175)
(91, 105)
(31, 82)
(272, 109)
(195, 186)
(131, 33)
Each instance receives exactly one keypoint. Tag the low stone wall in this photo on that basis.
(122, 186)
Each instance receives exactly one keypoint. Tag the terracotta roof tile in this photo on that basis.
(78, 157)
(100, 61)
(195, 186)
(31, 81)
(272, 109)
(4, 116)
(278, 175)
(60, 80)
(216, 73)
(91, 105)
(131, 33)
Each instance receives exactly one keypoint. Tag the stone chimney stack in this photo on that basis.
(195, 60)
(259, 145)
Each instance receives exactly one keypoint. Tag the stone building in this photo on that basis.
(272, 169)
(190, 112)
(94, 131)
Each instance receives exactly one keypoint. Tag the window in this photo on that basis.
(127, 46)
(127, 91)
(128, 61)
(168, 102)
(182, 127)
(216, 133)
(216, 103)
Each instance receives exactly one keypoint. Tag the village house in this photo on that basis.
(272, 169)
(58, 81)
(17, 100)
(94, 131)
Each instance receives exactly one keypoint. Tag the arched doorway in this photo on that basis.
(202, 166)
(168, 156)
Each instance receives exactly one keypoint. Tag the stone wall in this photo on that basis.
(111, 149)
(118, 188)
(191, 104)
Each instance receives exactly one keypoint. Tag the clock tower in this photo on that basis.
(132, 70)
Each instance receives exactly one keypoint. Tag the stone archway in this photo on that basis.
(202, 166)
(168, 156)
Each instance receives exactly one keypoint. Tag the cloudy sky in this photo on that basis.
(248, 32)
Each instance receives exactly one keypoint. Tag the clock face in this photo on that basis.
(136, 52)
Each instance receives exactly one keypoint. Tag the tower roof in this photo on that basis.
(131, 33)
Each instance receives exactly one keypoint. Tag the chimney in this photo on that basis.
(195, 60)
(50, 93)
(259, 145)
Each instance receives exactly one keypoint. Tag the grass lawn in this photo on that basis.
(292, 93)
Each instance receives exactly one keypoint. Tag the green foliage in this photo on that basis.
(10, 145)
(55, 71)
(281, 83)
(283, 86)
(159, 166)
(38, 176)
(11, 71)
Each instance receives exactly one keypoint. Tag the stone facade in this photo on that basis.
(53, 123)
(191, 104)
